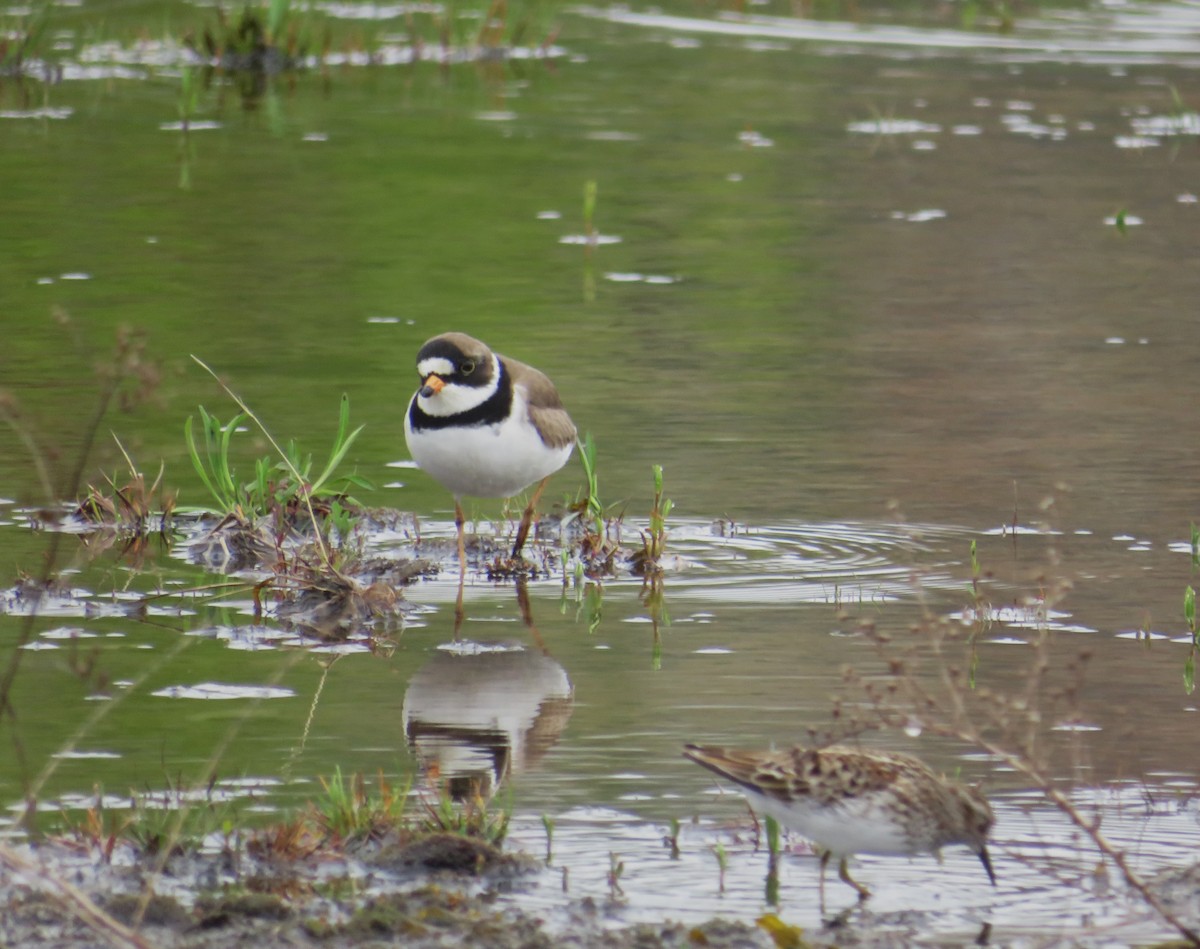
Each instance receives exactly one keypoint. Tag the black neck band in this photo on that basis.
(491, 412)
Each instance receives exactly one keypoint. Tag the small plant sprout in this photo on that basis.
(975, 571)
(548, 824)
(594, 509)
(1189, 614)
(980, 611)
(648, 560)
(593, 606)
(772, 836)
(597, 548)
(189, 96)
(134, 508)
(658, 515)
(722, 864)
(771, 886)
(616, 868)
(589, 211)
(99, 829)
(671, 838)
(349, 810)
(470, 817)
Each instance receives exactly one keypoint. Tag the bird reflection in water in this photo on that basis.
(478, 712)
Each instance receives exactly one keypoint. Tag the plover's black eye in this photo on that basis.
(467, 368)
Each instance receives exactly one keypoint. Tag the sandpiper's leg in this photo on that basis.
(825, 855)
(844, 876)
(987, 864)
(527, 517)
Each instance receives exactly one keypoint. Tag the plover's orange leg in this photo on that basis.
(460, 520)
(527, 517)
(527, 615)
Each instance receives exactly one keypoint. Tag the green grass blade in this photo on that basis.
(341, 445)
(225, 471)
(198, 463)
(276, 18)
(772, 835)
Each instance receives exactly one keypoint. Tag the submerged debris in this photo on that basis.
(447, 851)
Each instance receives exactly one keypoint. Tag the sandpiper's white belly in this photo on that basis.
(487, 461)
(857, 825)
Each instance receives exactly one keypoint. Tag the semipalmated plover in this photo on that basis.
(485, 425)
(849, 801)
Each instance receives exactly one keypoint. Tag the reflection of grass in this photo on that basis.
(125, 379)
(1189, 614)
(616, 869)
(997, 15)
(26, 43)
(274, 37)
(260, 38)
(189, 95)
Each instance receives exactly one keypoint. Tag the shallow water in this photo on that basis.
(849, 273)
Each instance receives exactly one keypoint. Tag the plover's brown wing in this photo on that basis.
(545, 407)
(554, 425)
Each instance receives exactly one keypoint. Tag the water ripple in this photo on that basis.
(1153, 33)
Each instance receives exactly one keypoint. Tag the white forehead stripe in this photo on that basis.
(438, 365)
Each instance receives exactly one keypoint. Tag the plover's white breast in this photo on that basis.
(487, 461)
